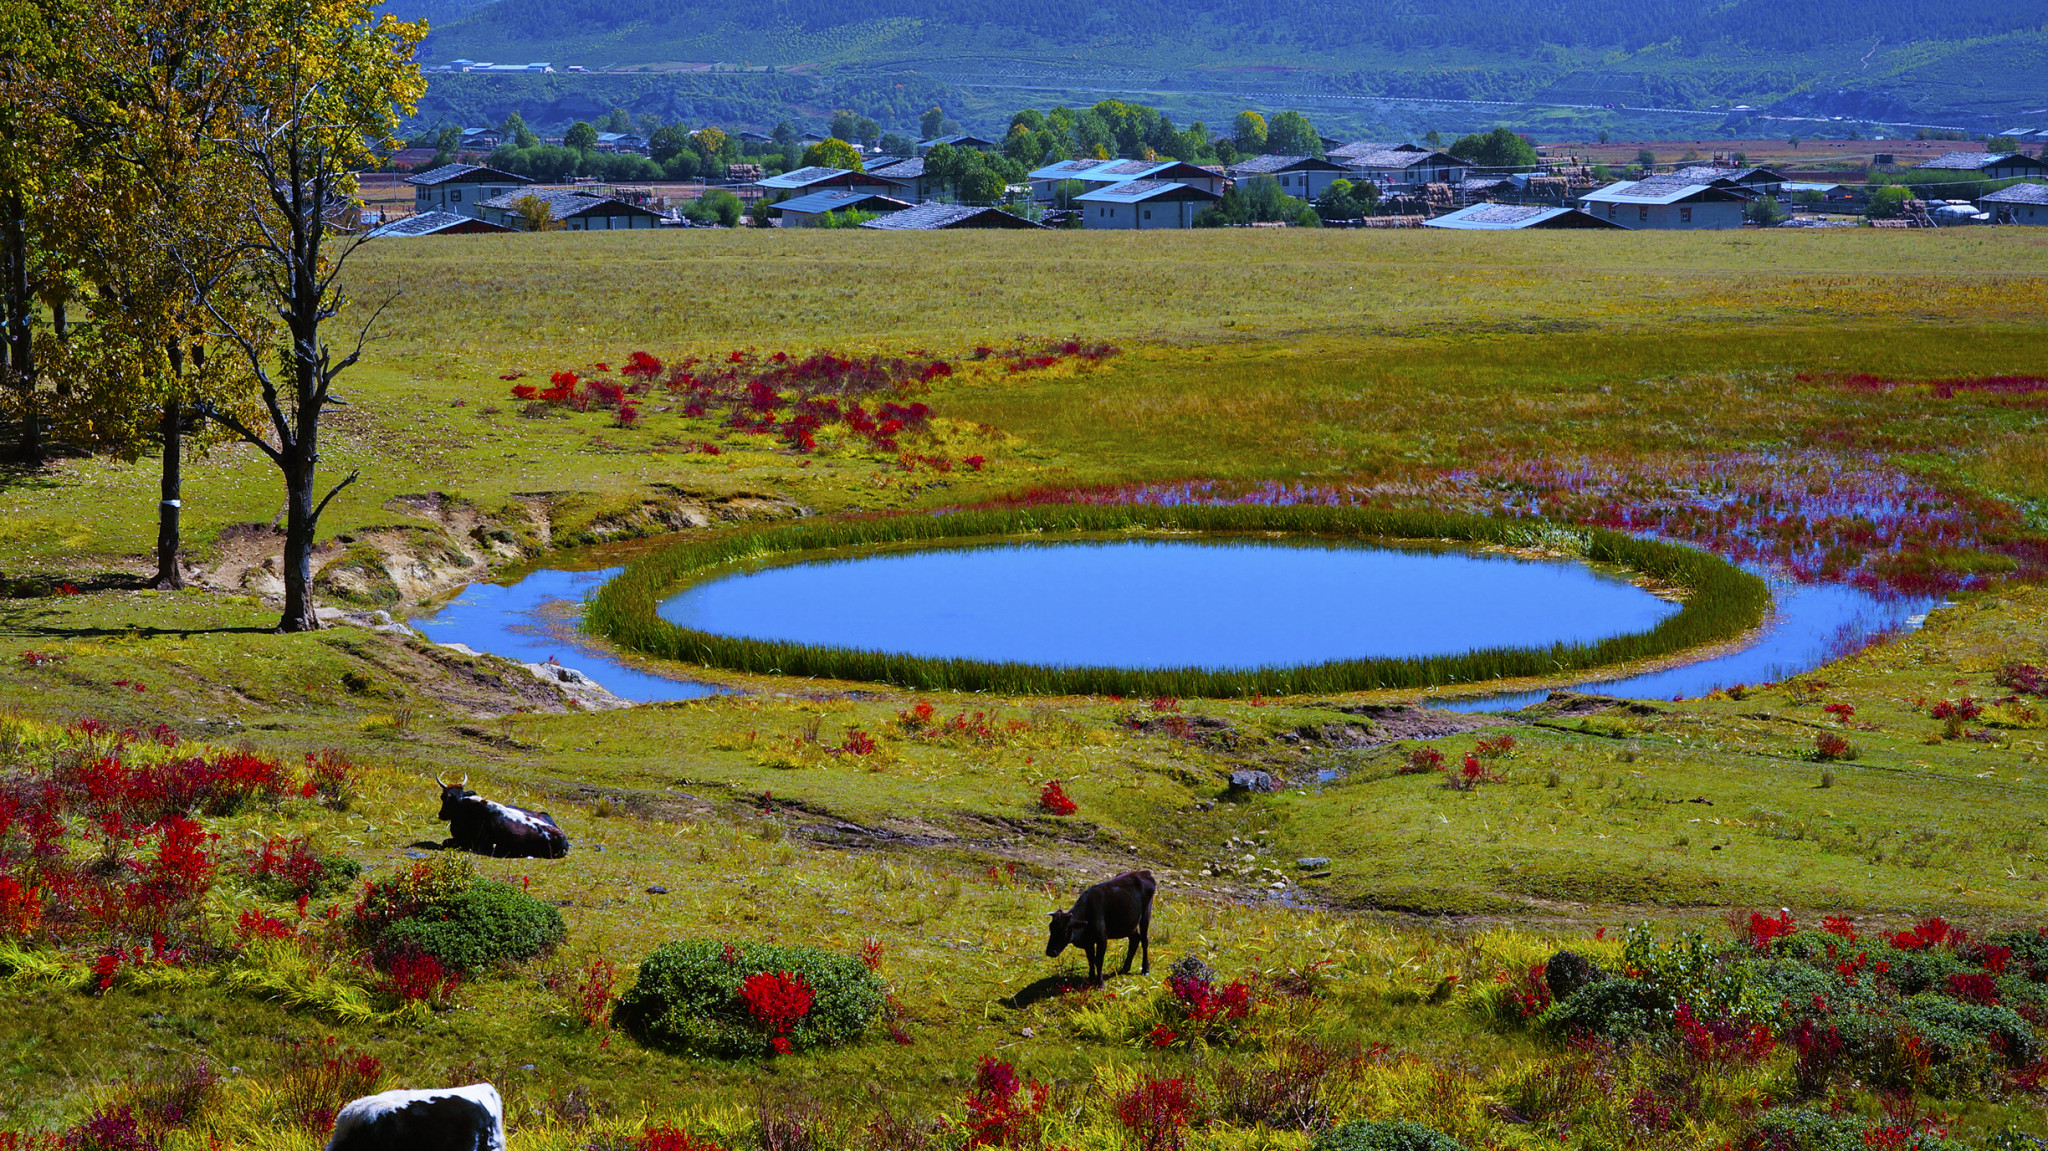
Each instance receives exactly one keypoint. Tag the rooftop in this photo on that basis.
(563, 203)
(803, 177)
(1507, 217)
(2019, 194)
(1657, 190)
(930, 217)
(464, 174)
(837, 199)
(1260, 165)
(427, 223)
(1976, 161)
(1134, 191)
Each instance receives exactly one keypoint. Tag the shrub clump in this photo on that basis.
(693, 998)
(1385, 1135)
(440, 908)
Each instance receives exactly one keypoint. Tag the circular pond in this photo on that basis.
(1170, 603)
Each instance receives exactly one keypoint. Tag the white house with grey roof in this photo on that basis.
(1303, 177)
(1401, 166)
(435, 224)
(1098, 174)
(821, 179)
(1667, 203)
(459, 188)
(1515, 217)
(1143, 205)
(810, 209)
(2019, 204)
(1761, 181)
(906, 177)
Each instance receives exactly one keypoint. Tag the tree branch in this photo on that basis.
(206, 410)
(330, 495)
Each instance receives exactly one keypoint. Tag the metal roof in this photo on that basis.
(464, 174)
(1266, 165)
(1976, 161)
(899, 168)
(835, 200)
(427, 223)
(1358, 146)
(563, 203)
(1137, 191)
(1507, 217)
(958, 141)
(2018, 194)
(1067, 169)
(1401, 157)
(803, 177)
(931, 217)
(1656, 191)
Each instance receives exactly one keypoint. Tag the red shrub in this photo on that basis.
(871, 954)
(1827, 747)
(21, 908)
(1980, 988)
(1532, 995)
(1928, 933)
(1002, 1110)
(253, 925)
(1422, 759)
(416, 977)
(1054, 800)
(1495, 747)
(1840, 925)
(1166, 703)
(917, 717)
(1157, 1111)
(1723, 1039)
(2022, 677)
(673, 1139)
(287, 867)
(1763, 929)
(596, 989)
(1842, 712)
(334, 777)
(318, 1078)
(777, 1000)
(858, 742)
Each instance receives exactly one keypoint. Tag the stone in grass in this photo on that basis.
(1252, 782)
(1567, 972)
(1312, 862)
(1192, 967)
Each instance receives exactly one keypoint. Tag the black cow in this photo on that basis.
(1119, 908)
(487, 828)
(468, 1118)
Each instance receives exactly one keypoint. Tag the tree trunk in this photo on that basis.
(298, 543)
(20, 306)
(168, 573)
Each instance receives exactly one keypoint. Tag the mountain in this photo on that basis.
(1934, 61)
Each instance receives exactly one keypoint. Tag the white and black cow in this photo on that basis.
(487, 828)
(468, 1118)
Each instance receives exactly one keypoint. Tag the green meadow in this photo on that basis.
(1442, 374)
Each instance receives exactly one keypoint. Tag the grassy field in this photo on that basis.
(1706, 384)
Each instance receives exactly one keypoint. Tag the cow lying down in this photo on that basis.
(468, 1118)
(486, 828)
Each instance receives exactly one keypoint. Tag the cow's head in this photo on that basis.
(452, 794)
(1062, 933)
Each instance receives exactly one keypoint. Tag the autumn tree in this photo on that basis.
(315, 84)
(29, 268)
(1290, 134)
(833, 153)
(1248, 133)
(535, 214)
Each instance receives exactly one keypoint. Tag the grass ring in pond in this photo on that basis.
(1722, 602)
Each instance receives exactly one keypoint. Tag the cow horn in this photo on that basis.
(439, 781)
(465, 779)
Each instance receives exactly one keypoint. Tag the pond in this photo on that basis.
(536, 616)
(1168, 603)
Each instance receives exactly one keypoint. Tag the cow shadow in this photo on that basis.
(1040, 990)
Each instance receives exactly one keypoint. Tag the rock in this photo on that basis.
(415, 855)
(1249, 782)
(656, 889)
(584, 691)
(1027, 1033)
(1567, 972)
(1312, 862)
(1192, 967)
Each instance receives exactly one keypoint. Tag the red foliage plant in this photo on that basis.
(1494, 747)
(1762, 929)
(1842, 712)
(1827, 747)
(1723, 1039)
(1054, 800)
(287, 866)
(672, 1139)
(596, 989)
(1928, 933)
(1980, 987)
(1157, 1112)
(333, 777)
(416, 977)
(1421, 760)
(1003, 1110)
(777, 1000)
(318, 1078)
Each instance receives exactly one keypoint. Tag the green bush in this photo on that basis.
(1617, 1009)
(1385, 1135)
(1798, 1129)
(1955, 1030)
(441, 909)
(686, 999)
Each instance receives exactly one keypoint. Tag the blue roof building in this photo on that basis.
(1142, 204)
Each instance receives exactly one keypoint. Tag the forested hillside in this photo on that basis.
(1897, 59)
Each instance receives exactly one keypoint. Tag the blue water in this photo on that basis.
(1171, 603)
(536, 618)
(1810, 624)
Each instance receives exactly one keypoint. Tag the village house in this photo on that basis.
(821, 179)
(1758, 181)
(1985, 165)
(1400, 167)
(622, 142)
(1665, 202)
(1303, 177)
(1513, 217)
(2019, 204)
(573, 210)
(1143, 204)
(957, 141)
(807, 210)
(481, 139)
(936, 217)
(459, 188)
(906, 177)
(1098, 174)
(435, 224)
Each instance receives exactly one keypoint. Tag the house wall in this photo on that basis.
(1671, 217)
(1306, 185)
(1127, 217)
(2014, 213)
(458, 198)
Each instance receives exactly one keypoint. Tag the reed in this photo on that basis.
(1723, 602)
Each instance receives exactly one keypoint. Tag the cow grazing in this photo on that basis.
(479, 825)
(468, 1118)
(1119, 908)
